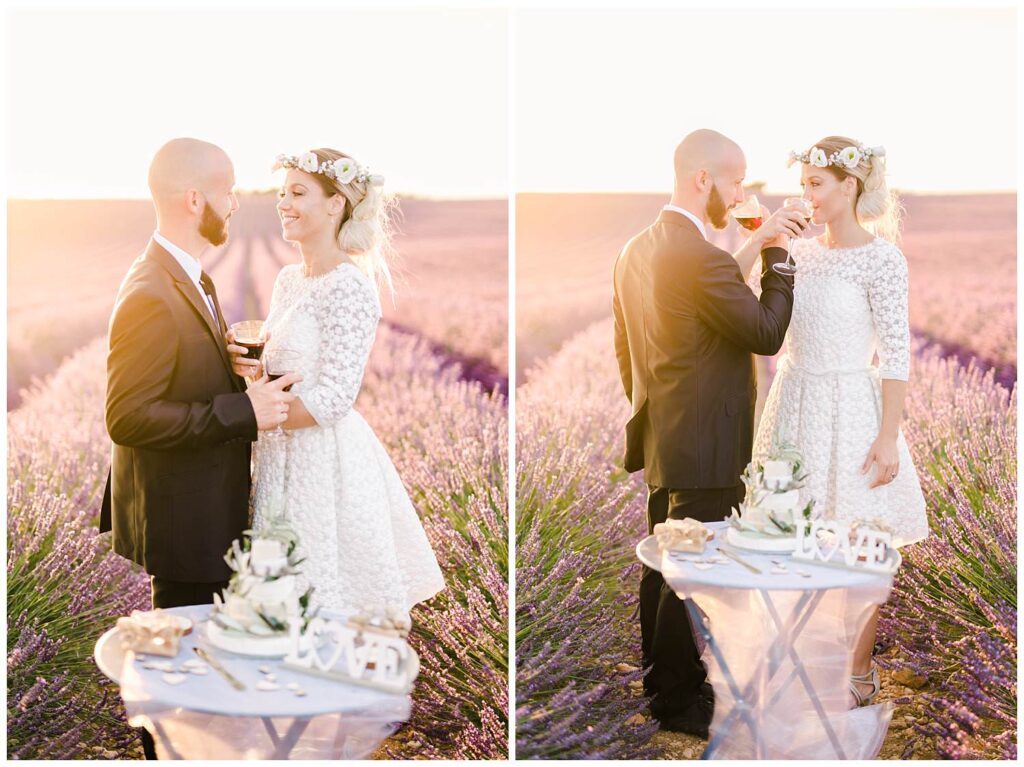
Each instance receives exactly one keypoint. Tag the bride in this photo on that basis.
(827, 398)
(364, 546)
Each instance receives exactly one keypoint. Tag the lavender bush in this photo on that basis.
(448, 440)
(64, 588)
(577, 521)
(953, 616)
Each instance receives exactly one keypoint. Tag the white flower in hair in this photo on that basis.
(282, 161)
(850, 156)
(818, 158)
(345, 169)
(309, 162)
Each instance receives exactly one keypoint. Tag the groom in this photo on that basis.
(686, 325)
(181, 421)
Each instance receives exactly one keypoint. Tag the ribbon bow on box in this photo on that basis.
(688, 535)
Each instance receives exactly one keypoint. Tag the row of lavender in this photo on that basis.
(447, 438)
(952, 618)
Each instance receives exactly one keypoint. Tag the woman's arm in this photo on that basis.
(883, 451)
(887, 296)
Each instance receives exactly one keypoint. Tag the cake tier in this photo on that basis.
(276, 646)
(788, 501)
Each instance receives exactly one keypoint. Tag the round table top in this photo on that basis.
(679, 567)
(212, 694)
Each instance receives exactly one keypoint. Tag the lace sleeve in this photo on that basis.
(887, 295)
(347, 313)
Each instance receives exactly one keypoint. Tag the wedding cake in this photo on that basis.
(768, 518)
(262, 600)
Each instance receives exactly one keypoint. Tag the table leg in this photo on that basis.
(161, 735)
(798, 668)
(283, 746)
(741, 709)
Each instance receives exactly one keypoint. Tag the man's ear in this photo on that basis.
(702, 180)
(194, 201)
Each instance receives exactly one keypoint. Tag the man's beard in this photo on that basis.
(716, 210)
(212, 227)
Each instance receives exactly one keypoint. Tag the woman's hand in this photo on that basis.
(243, 366)
(886, 457)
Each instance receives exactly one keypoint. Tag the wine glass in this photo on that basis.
(249, 334)
(279, 362)
(788, 268)
(748, 215)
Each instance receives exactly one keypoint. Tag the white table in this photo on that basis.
(206, 718)
(779, 650)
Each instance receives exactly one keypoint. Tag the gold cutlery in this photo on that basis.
(216, 664)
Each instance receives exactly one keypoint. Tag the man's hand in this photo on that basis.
(780, 227)
(269, 400)
(242, 365)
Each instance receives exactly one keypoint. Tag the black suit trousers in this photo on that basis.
(676, 672)
(178, 594)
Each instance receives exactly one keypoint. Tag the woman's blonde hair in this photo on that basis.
(877, 207)
(366, 226)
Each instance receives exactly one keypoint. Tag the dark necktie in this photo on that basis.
(210, 291)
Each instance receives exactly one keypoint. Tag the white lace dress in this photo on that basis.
(365, 547)
(849, 303)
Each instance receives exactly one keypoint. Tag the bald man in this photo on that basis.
(181, 421)
(686, 326)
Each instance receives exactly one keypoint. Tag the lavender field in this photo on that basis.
(948, 637)
(435, 403)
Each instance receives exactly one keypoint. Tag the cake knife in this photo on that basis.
(216, 664)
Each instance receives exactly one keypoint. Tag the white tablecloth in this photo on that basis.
(206, 718)
(784, 652)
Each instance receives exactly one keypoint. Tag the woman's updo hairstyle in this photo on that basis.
(365, 228)
(877, 207)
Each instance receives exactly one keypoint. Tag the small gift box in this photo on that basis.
(153, 632)
(687, 535)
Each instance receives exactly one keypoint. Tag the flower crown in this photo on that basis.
(344, 170)
(848, 157)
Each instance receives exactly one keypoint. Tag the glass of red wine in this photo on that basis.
(277, 363)
(250, 335)
(748, 215)
(787, 267)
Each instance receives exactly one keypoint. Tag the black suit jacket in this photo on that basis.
(685, 327)
(181, 424)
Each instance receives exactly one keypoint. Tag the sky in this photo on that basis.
(604, 96)
(418, 95)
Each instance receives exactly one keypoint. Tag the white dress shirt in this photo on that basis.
(192, 268)
(689, 215)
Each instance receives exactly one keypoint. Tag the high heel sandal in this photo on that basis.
(871, 678)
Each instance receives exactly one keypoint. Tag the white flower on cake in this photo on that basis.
(262, 599)
(772, 507)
